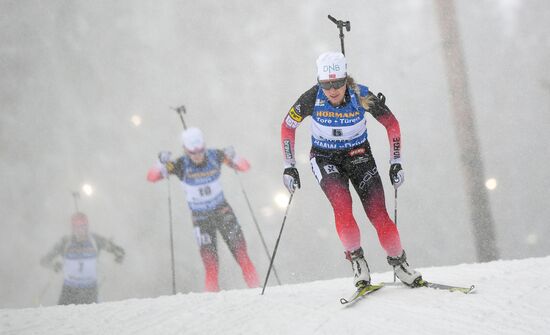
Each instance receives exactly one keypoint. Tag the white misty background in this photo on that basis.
(74, 73)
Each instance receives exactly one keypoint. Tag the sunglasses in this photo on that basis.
(336, 84)
(195, 152)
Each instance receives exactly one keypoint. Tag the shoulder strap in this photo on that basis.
(94, 242)
(66, 242)
(98, 242)
(213, 156)
(364, 102)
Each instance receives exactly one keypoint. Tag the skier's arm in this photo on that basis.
(288, 138)
(382, 114)
(48, 260)
(301, 109)
(229, 157)
(109, 246)
(163, 168)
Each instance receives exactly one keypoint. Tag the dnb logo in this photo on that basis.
(331, 68)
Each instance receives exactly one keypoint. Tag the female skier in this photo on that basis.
(199, 171)
(341, 153)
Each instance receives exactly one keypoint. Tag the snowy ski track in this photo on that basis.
(512, 297)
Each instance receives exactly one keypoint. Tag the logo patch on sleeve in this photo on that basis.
(295, 116)
(288, 149)
(290, 123)
(396, 148)
(330, 169)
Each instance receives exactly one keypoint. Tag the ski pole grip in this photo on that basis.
(347, 24)
(181, 109)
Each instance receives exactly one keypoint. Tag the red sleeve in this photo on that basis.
(391, 124)
(288, 136)
(241, 164)
(159, 171)
(238, 163)
(154, 174)
(301, 109)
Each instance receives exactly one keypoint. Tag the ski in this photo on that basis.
(438, 286)
(361, 292)
(450, 288)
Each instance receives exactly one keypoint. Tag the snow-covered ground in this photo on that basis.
(512, 297)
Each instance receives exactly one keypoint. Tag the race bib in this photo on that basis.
(80, 272)
(205, 196)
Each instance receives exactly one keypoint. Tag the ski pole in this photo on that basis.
(277, 243)
(76, 196)
(171, 234)
(181, 110)
(45, 289)
(395, 221)
(395, 209)
(340, 25)
(257, 226)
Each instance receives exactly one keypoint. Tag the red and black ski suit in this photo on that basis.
(341, 153)
(211, 213)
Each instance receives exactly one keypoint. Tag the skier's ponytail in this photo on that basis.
(366, 102)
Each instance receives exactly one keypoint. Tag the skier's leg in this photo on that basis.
(205, 234)
(85, 295)
(210, 261)
(234, 238)
(336, 188)
(335, 184)
(70, 295)
(373, 201)
(66, 297)
(366, 181)
(90, 295)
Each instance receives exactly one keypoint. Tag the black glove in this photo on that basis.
(291, 179)
(119, 255)
(397, 175)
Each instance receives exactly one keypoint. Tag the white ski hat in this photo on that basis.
(331, 65)
(192, 139)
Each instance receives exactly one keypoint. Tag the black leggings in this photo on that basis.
(77, 295)
(223, 220)
(205, 225)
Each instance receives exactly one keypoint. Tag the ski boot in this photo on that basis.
(361, 272)
(404, 272)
